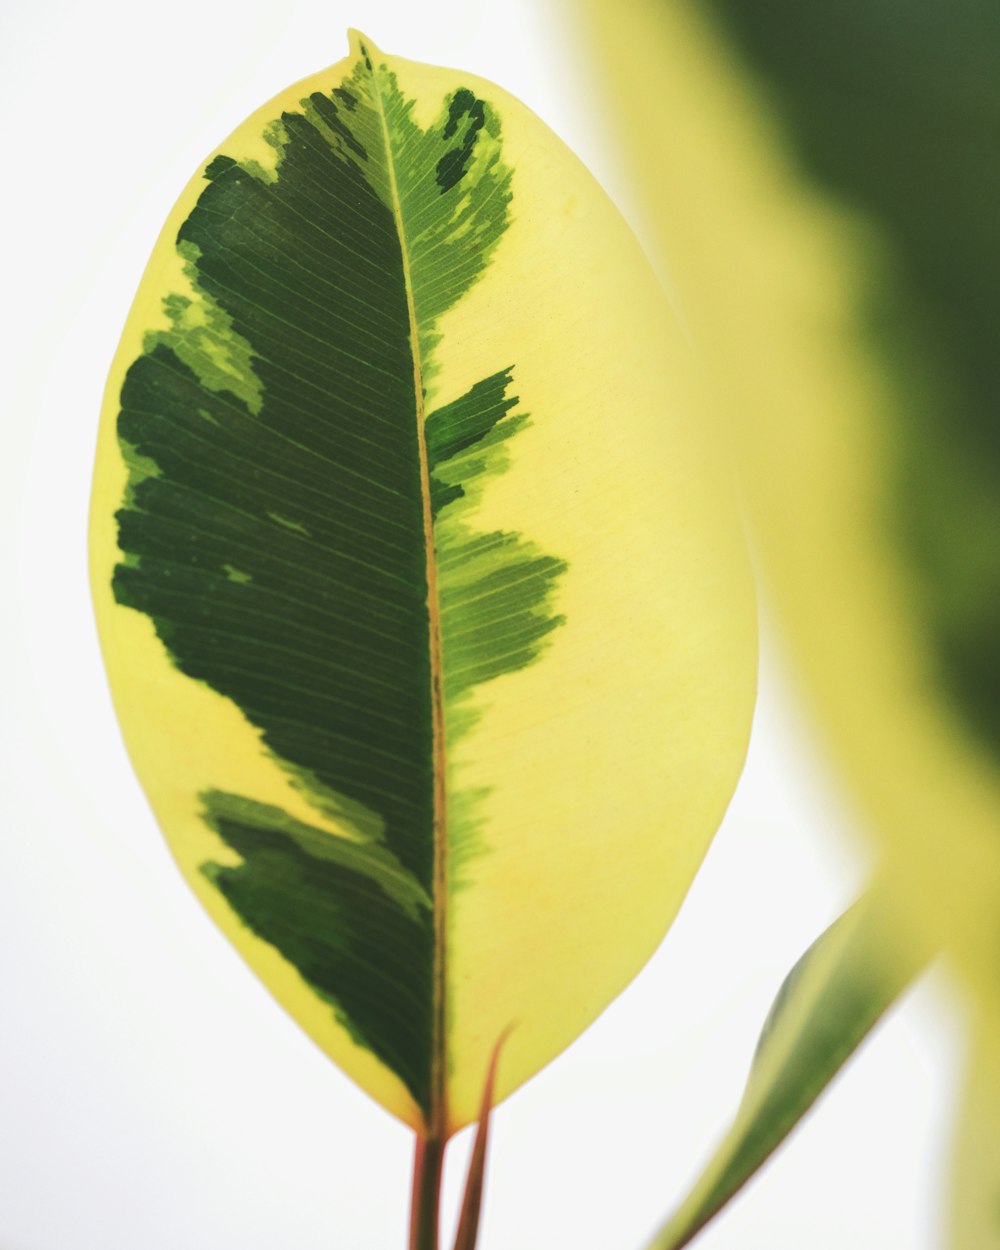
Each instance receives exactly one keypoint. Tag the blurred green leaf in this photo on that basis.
(892, 109)
(826, 1006)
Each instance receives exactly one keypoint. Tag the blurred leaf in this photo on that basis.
(891, 109)
(826, 1006)
(976, 1166)
(820, 184)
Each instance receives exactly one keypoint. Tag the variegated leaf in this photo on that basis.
(426, 618)
(821, 182)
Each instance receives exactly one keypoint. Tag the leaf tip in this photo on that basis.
(361, 47)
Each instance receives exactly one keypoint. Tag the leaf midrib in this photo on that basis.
(437, 1110)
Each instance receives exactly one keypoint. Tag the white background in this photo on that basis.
(151, 1095)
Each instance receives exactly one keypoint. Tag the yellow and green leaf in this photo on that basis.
(820, 182)
(424, 606)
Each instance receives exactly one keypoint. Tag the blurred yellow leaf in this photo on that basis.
(820, 184)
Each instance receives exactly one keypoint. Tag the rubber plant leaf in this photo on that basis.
(817, 179)
(425, 610)
(826, 1006)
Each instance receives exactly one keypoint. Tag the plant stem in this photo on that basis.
(428, 1159)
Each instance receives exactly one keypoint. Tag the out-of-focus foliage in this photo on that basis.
(826, 1006)
(976, 1166)
(821, 183)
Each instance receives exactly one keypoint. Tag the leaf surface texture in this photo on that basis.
(402, 537)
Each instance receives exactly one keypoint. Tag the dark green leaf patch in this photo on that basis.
(273, 531)
(344, 914)
(464, 108)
